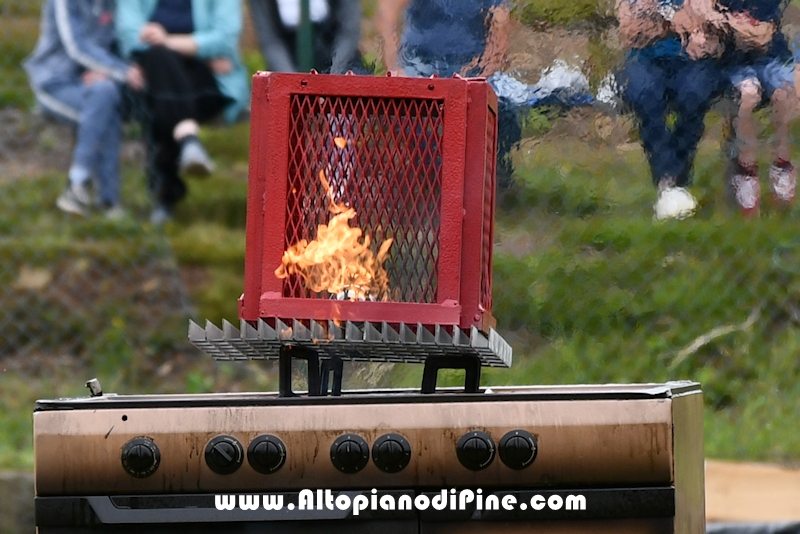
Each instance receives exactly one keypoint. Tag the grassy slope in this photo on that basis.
(587, 288)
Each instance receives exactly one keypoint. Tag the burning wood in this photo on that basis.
(340, 260)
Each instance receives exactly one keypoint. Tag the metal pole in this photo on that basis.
(305, 48)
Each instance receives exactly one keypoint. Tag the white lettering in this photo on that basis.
(343, 502)
(273, 502)
(537, 502)
(439, 502)
(555, 502)
(387, 502)
(305, 501)
(225, 502)
(404, 503)
(360, 503)
(466, 496)
(508, 502)
(248, 502)
(576, 502)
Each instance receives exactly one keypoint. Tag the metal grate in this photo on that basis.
(389, 172)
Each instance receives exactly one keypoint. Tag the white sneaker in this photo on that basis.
(115, 213)
(194, 160)
(76, 199)
(674, 203)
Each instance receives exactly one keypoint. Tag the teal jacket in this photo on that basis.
(217, 24)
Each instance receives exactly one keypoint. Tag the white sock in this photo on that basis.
(185, 128)
(78, 175)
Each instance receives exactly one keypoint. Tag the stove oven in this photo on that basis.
(369, 237)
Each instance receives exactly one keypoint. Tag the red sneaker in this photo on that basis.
(783, 182)
(747, 190)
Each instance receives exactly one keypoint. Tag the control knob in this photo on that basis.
(224, 454)
(350, 453)
(391, 453)
(518, 449)
(266, 454)
(140, 457)
(475, 450)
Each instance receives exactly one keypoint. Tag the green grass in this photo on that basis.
(586, 286)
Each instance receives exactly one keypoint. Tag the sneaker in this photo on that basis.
(194, 160)
(783, 181)
(674, 203)
(747, 190)
(114, 213)
(75, 199)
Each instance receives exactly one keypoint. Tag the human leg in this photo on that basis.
(745, 182)
(95, 111)
(643, 88)
(181, 92)
(693, 88)
(777, 79)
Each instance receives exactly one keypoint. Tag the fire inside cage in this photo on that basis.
(369, 238)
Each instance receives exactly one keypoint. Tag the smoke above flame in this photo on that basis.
(339, 260)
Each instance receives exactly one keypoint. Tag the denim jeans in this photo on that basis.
(670, 97)
(95, 111)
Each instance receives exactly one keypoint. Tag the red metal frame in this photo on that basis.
(446, 127)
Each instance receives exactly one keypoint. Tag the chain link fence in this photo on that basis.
(77, 287)
(584, 277)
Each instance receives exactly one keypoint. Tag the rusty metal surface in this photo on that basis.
(580, 442)
(404, 171)
(349, 341)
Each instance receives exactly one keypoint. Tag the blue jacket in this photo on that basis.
(218, 25)
(75, 36)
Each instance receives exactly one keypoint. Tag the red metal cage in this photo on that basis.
(419, 167)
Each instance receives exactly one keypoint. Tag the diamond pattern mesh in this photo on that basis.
(389, 172)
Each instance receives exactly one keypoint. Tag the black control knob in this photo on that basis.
(475, 450)
(140, 457)
(518, 449)
(350, 453)
(266, 454)
(391, 453)
(224, 454)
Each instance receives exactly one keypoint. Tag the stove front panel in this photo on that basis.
(580, 443)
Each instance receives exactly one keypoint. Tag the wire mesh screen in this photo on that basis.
(383, 158)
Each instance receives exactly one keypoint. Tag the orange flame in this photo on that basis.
(339, 260)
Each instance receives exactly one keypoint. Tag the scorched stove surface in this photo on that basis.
(630, 448)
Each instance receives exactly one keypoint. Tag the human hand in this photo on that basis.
(700, 45)
(221, 65)
(153, 33)
(91, 76)
(135, 78)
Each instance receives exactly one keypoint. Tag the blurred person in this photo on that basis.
(446, 37)
(759, 65)
(188, 51)
(77, 77)
(670, 78)
(336, 30)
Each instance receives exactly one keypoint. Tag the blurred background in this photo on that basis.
(587, 288)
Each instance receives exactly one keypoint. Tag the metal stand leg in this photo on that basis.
(287, 354)
(336, 366)
(470, 364)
